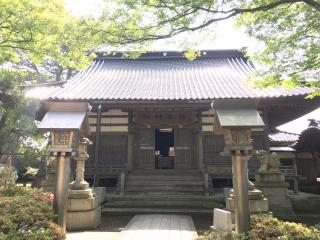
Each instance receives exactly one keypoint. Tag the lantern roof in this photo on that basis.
(55, 120)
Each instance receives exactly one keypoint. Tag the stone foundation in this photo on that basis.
(273, 185)
(258, 203)
(100, 194)
(84, 211)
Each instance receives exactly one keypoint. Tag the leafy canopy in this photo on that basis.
(288, 29)
(39, 40)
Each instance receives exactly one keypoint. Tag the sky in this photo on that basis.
(226, 35)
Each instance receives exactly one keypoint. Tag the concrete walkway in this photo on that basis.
(148, 227)
(94, 235)
(160, 226)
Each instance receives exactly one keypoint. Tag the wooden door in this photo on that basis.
(144, 149)
(184, 145)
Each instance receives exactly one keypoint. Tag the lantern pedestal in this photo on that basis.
(276, 189)
(272, 182)
(257, 202)
(84, 211)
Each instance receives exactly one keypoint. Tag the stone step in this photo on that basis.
(166, 171)
(163, 196)
(198, 211)
(165, 183)
(164, 188)
(164, 204)
(164, 178)
(157, 193)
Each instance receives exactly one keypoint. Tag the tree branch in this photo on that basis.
(227, 14)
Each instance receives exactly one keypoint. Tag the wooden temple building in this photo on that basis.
(152, 123)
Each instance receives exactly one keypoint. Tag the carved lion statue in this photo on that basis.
(263, 158)
(274, 162)
(267, 163)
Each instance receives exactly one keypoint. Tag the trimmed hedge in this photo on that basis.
(27, 214)
(267, 228)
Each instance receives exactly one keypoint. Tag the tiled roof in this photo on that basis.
(279, 136)
(166, 76)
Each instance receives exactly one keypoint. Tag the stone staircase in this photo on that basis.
(163, 191)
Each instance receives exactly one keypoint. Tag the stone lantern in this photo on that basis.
(79, 183)
(64, 127)
(236, 119)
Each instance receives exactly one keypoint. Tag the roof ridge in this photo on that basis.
(166, 55)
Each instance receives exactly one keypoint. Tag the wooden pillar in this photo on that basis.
(130, 142)
(97, 146)
(200, 142)
(266, 129)
(296, 177)
(200, 151)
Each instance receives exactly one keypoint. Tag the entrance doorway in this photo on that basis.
(164, 148)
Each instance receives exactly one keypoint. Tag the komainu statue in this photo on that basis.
(274, 163)
(267, 163)
(263, 158)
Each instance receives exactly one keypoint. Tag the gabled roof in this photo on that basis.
(217, 74)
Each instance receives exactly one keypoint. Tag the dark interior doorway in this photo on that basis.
(164, 143)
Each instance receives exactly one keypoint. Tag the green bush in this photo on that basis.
(27, 174)
(27, 214)
(268, 228)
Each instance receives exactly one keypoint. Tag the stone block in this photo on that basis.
(222, 220)
(255, 206)
(81, 220)
(269, 177)
(82, 204)
(100, 194)
(87, 193)
(275, 189)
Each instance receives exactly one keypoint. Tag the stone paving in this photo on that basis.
(160, 226)
(151, 227)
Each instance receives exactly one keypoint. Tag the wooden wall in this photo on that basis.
(113, 142)
(213, 145)
(113, 120)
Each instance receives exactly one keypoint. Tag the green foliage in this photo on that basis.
(27, 174)
(16, 114)
(39, 41)
(291, 37)
(43, 30)
(27, 214)
(288, 30)
(268, 228)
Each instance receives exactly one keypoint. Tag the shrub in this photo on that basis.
(27, 213)
(27, 174)
(268, 228)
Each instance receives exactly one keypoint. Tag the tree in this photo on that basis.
(289, 29)
(39, 41)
